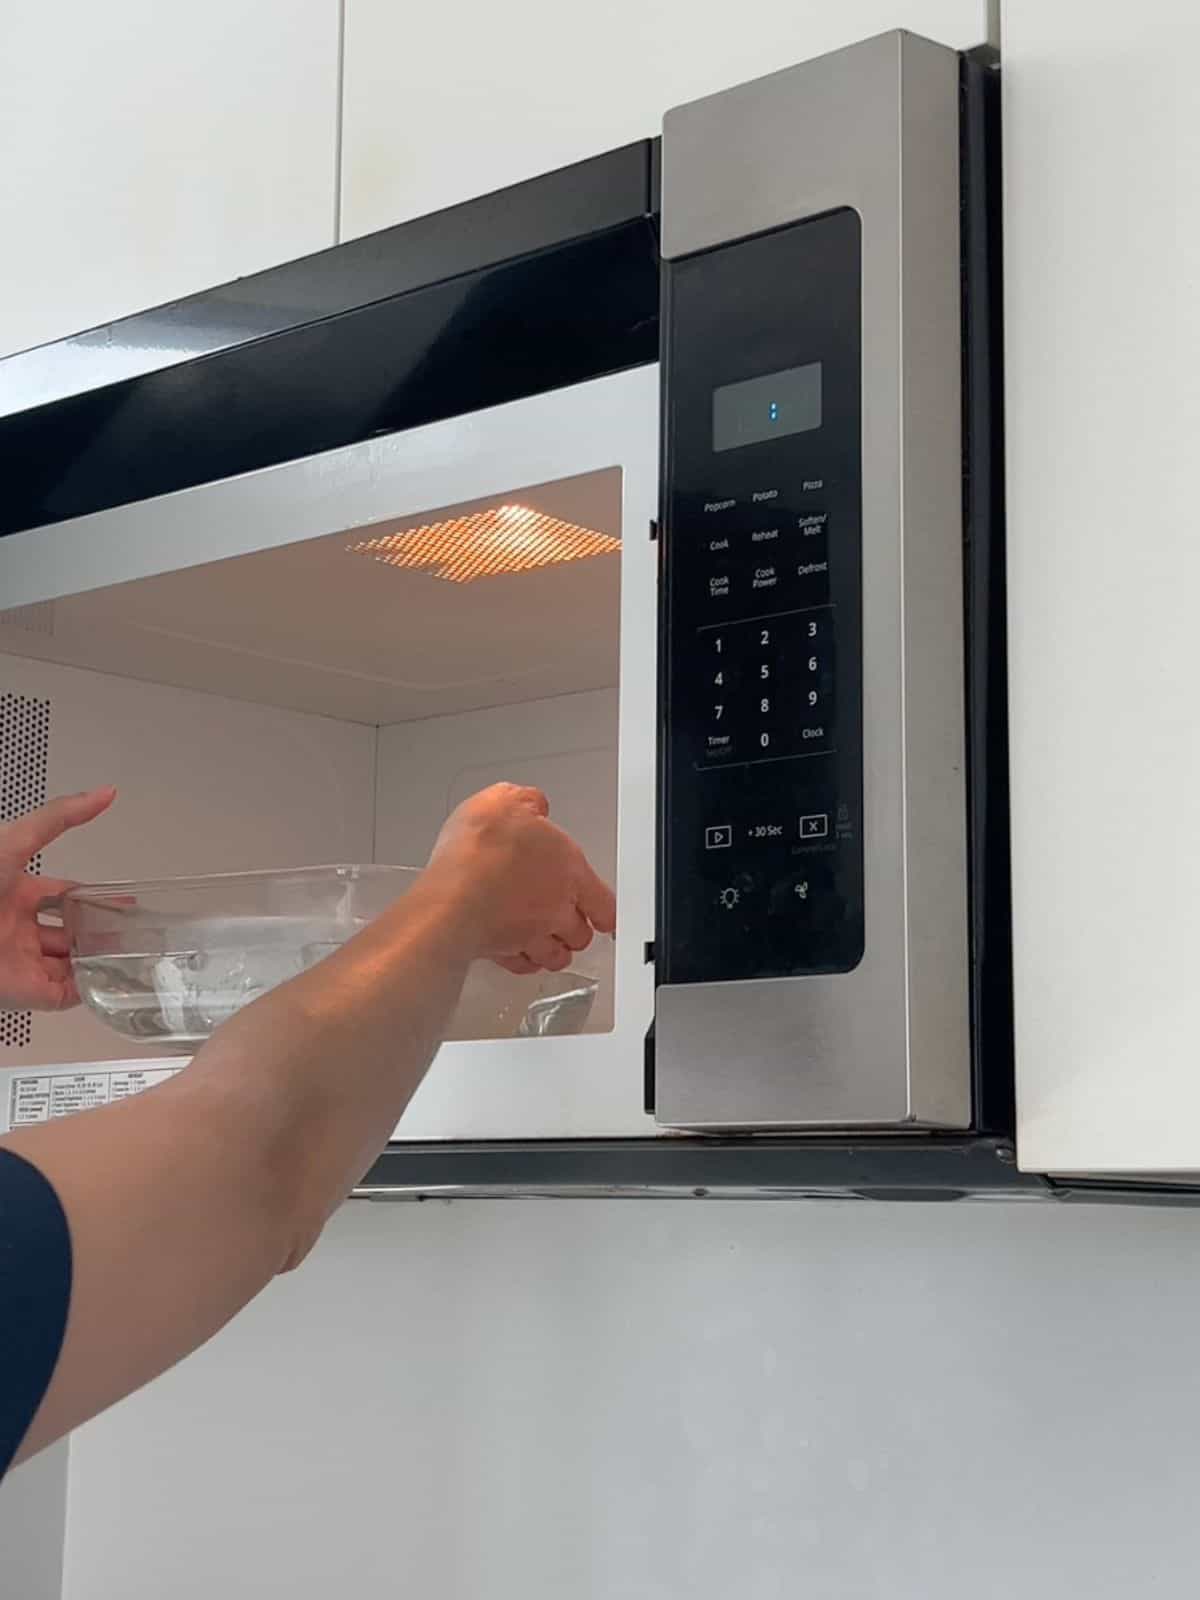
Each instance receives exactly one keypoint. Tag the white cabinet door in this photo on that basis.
(1102, 221)
(438, 108)
(151, 151)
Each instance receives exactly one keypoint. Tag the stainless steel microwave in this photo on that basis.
(670, 482)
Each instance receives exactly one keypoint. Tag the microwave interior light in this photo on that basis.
(505, 539)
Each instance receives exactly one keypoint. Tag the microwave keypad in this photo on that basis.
(771, 673)
(772, 688)
(762, 871)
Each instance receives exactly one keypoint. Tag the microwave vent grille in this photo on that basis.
(24, 756)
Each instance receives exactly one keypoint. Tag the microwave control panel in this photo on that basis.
(761, 791)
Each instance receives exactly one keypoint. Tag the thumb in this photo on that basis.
(536, 801)
(597, 902)
(21, 840)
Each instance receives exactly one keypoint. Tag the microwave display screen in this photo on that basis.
(769, 407)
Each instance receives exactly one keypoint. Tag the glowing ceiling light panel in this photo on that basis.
(486, 543)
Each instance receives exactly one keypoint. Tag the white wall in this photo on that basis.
(33, 1508)
(614, 1400)
(471, 98)
(151, 150)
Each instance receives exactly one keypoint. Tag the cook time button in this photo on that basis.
(718, 580)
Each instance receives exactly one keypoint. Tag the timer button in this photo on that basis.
(717, 745)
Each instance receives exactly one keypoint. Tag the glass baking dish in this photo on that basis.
(166, 962)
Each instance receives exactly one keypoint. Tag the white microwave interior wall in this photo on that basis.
(307, 704)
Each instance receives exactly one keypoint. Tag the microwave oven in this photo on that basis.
(669, 482)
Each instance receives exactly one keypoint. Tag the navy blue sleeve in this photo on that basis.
(35, 1291)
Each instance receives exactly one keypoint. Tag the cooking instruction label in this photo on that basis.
(43, 1096)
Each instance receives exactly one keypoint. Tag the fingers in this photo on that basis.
(52, 889)
(536, 801)
(549, 953)
(54, 941)
(575, 931)
(520, 966)
(24, 838)
(57, 991)
(597, 902)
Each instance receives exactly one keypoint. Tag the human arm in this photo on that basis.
(183, 1202)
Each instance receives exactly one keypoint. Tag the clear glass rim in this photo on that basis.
(277, 875)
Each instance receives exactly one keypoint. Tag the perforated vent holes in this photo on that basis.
(24, 753)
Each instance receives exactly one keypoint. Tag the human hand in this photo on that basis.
(531, 898)
(35, 973)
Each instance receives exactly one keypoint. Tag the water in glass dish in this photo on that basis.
(178, 997)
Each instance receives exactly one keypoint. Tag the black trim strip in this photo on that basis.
(915, 1167)
(542, 285)
(984, 594)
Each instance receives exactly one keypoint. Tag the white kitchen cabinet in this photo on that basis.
(151, 151)
(1102, 220)
(439, 109)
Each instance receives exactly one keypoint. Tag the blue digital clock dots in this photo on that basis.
(771, 406)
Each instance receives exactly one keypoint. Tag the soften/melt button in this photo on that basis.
(811, 555)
